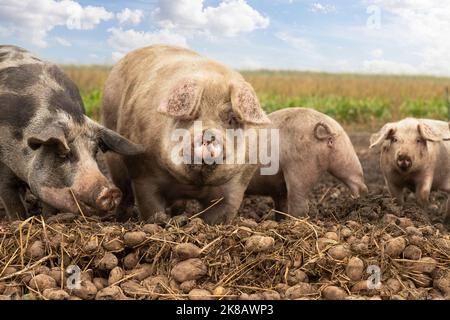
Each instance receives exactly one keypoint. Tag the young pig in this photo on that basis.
(310, 144)
(47, 144)
(415, 154)
(157, 91)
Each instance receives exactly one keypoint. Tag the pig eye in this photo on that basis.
(394, 139)
(420, 140)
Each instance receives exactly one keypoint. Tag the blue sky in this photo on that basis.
(364, 36)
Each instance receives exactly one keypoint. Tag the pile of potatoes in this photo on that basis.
(294, 259)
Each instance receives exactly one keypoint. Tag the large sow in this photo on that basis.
(415, 154)
(156, 90)
(311, 143)
(47, 144)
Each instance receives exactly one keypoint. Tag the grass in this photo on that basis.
(367, 100)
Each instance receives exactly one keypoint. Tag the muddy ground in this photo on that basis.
(330, 255)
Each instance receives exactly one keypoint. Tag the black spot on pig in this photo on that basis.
(64, 81)
(61, 100)
(20, 77)
(17, 110)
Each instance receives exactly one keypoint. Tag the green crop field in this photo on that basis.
(361, 100)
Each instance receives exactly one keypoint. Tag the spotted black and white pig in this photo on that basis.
(415, 154)
(47, 144)
(311, 143)
(155, 91)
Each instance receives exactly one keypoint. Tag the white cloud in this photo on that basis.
(298, 43)
(63, 42)
(132, 17)
(190, 17)
(377, 53)
(33, 19)
(422, 27)
(123, 41)
(318, 7)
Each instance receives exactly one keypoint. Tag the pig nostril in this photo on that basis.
(109, 199)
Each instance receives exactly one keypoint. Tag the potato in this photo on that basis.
(219, 291)
(152, 228)
(100, 283)
(2, 287)
(345, 232)
(42, 282)
(410, 231)
(255, 296)
(442, 284)
(187, 286)
(268, 225)
(91, 245)
(412, 252)
(243, 232)
(114, 245)
(107, 262)
(271, 295)
(258, 243)
(134, 238)
(36, 251)
(29, 296)
(8, 271)
(334, 293)
(56, 274)
(243, 296)
(191, 269)
(156, 285)
(131, 260)
(298, 291)
(186, 251)
(295, 276)
(87, 275)
(86, 291)
(324, 243)
(110, 293)
(332, 236)
(115, 275)
(425, 265)
(42, 270)
(141, 272)
(133, 289)
(249, 223)
(355, 269)
(339, 252)
(405, 222)
(200, 294)
(395, 247)
(56, 294)
(394, 285)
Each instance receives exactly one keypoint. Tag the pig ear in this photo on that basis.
(246, 105)
(49, 136)
(112, 141)
(183, 100)
(385, 132)
(427, 133)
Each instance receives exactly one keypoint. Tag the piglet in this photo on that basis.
(415, 154)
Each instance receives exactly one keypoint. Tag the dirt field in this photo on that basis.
(323, 257)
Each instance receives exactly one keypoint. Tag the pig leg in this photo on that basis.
(280, 203)
(298, 187)
(232, 193)
(148, 197)
(423, 188)
(396, 192)
(121, 179)
(12, 194)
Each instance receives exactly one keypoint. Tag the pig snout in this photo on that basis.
(108, 199)
(404, 162)
(208, 146)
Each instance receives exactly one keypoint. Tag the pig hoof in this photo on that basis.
(109, 199)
